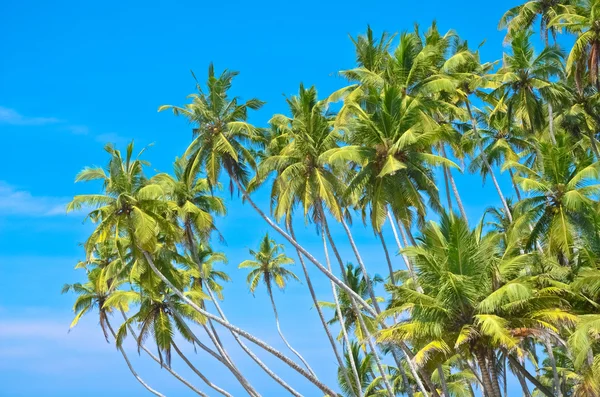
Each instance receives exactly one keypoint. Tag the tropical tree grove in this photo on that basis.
(465, 304)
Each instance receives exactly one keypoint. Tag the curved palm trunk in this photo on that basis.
(523, 383)
(213, 335)
(486, 161)
(362, 266)
(169, 369)
(324, 322)
(270, 291)
(514, 183)
(200, 374)
(361, 322)
(219, 358)
(459, 202)
(520, 368)
(304, 252)
(238, 331)
(340, 317)
(253, 356)
(135, 374)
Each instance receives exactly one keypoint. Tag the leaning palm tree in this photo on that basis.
(269, 266)
(93, 295)
(132, 207)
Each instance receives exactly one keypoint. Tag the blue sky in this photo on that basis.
(76, 75)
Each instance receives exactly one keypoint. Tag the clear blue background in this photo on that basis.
(75, 75)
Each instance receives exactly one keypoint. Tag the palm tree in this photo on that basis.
(582, 19)
(132, 207)
(93, 295)
(467, 304)
(524, 15)
(268, 265)
(221, 130)
(562, 188)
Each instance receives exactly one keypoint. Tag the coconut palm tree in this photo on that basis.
(93, 295)
(220, 128)
(524, 16)
(562, 188)
(269, 266)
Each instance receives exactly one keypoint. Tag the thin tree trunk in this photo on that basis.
(486, 161)
(324, 322)
(523, 384)
(169, 369)
(341, 319)
(440, 370)
(447, 185)
(239, 331)
(270, 291)
(557, 389)
(359, 316)
(514, 183)
(594, 145)
(200, 374)
(219, 358)
(401, 248)
(246, 349)
(387, 257)
(551, 124)
(459, 202)
(403, 346)
(214, 335)
(135, 374)
(529, 376)
(304, 252)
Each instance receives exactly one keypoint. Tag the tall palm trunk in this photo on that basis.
(169, 369)
(214, 335)
(401, 248)
(459, 202)
(200, 374)
(440, 370)
(270, 291)
(220, 358)
(555, 374)
(514, 183)
(239, 331)
(387, 257)
(249, 352)
(523, 383)
(486, 379)
(357, 311)
(491, 358)
(304, 252)
(486, 161)
(341, 319)
(135, 374)
(447, 186)
(520, 368)
(363, 268)
(324, 322)
(551, 124)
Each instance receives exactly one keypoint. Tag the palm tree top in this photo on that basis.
(269, 265)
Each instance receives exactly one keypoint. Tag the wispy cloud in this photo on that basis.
(12, 117)
(14, 201)
(111, 137)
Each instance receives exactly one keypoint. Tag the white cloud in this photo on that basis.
(21, 202)
(12, 117)
(111, 137)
